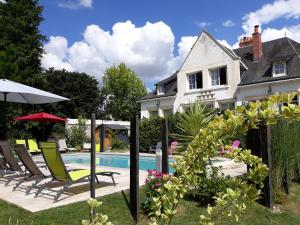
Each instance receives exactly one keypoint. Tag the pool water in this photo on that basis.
(118, 161)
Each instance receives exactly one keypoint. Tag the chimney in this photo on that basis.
(245, 41)
(257, 44)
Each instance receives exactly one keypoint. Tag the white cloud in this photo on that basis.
(75, 4)
(148, 50)
(86, 3)
(270, 12)
(185, 45)
(202, 24)
(292, 32)
(228, 23)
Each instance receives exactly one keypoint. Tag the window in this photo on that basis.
(218, 76)
(227, 105)
(168, 112)
(153, 113)
(279, 69)
(195, 81)
(160, 89)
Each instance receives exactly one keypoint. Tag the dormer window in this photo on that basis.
(279, 69)
(160, 89)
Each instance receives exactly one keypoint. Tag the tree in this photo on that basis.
(21, 44)
(122, 88)
(80, 88)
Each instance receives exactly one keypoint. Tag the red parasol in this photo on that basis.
(42, 117)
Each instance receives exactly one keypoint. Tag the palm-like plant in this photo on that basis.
(190, 122)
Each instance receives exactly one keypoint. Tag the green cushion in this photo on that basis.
(32, 146)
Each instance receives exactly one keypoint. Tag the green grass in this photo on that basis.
(115, 207)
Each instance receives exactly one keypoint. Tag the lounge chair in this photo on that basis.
(97, 148)
(33, 147)
(30, 166)
(86, 146)
(12, 164)
(21, 142)
(62, 146)
(59, 172)
(9, 158)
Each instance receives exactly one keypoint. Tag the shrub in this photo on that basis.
(76, 135)
(155, 185)
(96, 218)
(211, 184)
(150, 132)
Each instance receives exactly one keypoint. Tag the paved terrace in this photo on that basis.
(77, 192)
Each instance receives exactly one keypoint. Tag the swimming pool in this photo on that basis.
(118, 161)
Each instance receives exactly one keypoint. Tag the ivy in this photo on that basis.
(240, 191)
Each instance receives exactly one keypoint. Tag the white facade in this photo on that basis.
(205, 56)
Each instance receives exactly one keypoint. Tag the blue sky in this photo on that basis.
(77, 40)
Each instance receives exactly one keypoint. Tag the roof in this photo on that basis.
(252, 72)
(283, 49)
(170, 85)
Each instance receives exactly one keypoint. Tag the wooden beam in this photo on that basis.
(93, 160)
(102, 137)
(259, 141)
(164, 146)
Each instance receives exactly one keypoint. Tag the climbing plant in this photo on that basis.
(220, 132)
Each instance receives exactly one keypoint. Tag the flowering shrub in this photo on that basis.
(233, 200)
(155, 181)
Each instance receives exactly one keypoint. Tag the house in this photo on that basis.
(223, 78)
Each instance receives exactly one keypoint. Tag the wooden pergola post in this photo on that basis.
(259, 141)
(134, 168)
(164, 146)
(93, 160)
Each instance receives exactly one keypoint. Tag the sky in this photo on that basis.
(153, 37)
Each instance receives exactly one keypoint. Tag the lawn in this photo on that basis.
(115, 207)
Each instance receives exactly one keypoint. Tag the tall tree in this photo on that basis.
(80, 88)
(21, 44)
(122, 88)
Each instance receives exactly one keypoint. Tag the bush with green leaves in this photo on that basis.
(116, 143)
(76, 135)
(233, 200)
(95, 218)
(150, 132)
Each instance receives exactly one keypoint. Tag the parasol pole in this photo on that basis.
(4, 116)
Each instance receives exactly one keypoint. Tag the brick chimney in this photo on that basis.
(257, 44)
(245, 41)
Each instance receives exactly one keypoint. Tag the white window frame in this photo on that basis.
(215, 77)
(274, 69)
(160, 89)
(151, 112)
(194, 75)
(194, 80)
